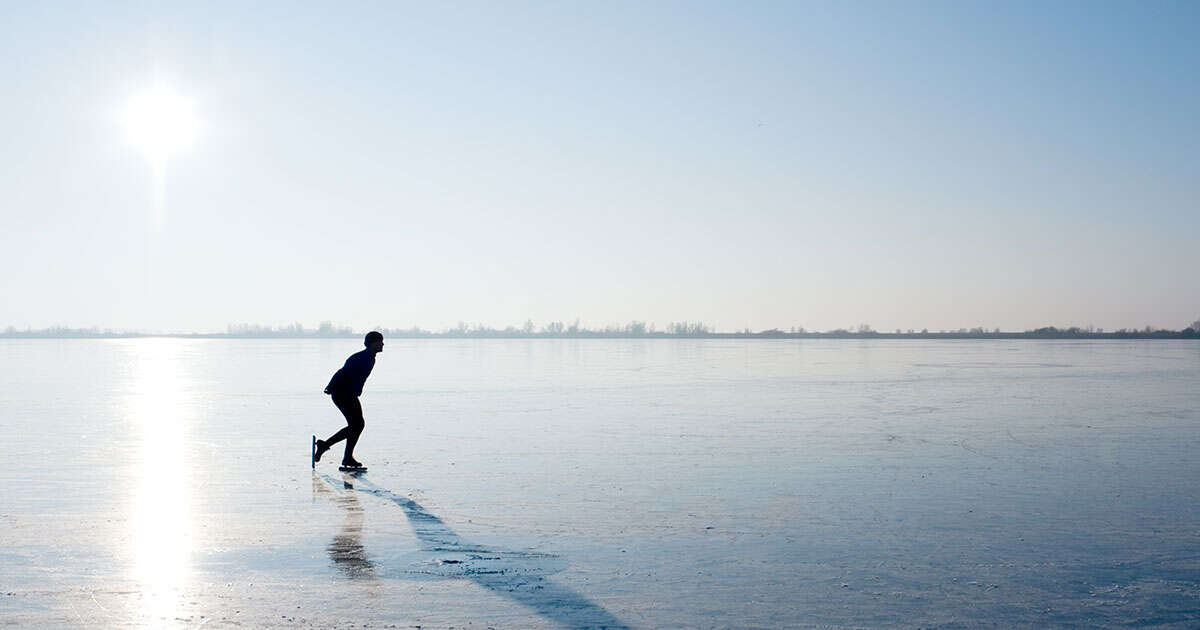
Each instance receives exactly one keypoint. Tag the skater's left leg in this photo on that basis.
(352, 410)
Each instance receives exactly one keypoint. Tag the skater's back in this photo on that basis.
(349, 380)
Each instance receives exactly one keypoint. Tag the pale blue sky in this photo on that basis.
(759, 165)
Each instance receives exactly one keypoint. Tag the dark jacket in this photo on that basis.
(349, 380)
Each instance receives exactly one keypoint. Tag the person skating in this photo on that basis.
(345, 387)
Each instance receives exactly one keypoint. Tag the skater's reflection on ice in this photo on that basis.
(346, 549)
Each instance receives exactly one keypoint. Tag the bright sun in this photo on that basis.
(160, 122)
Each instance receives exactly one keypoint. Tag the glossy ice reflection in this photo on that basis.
(159, 416)
(565, 483)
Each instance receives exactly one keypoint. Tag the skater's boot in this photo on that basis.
(322, 446)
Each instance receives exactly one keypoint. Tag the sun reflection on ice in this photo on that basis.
(162, 540)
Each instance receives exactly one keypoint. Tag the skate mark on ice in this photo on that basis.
(521, 576)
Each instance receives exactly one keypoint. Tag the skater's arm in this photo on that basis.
(339, 376)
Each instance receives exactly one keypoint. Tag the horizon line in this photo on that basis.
(635, 330)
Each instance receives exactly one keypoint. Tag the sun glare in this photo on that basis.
(160, 414)
(160, 122)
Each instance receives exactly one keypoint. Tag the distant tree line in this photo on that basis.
(633, 329)
(290, 331)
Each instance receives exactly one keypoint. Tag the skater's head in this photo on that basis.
(374, 341)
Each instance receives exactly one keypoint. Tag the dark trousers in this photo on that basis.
(352, 409)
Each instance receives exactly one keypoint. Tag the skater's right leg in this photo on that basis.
(351, 408)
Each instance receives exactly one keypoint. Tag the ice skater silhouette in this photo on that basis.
(345, 387)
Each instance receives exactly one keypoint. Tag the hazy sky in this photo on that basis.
(902, 164)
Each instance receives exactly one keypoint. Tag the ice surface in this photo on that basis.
(616, 483)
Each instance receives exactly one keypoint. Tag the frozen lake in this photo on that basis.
(587, 483)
